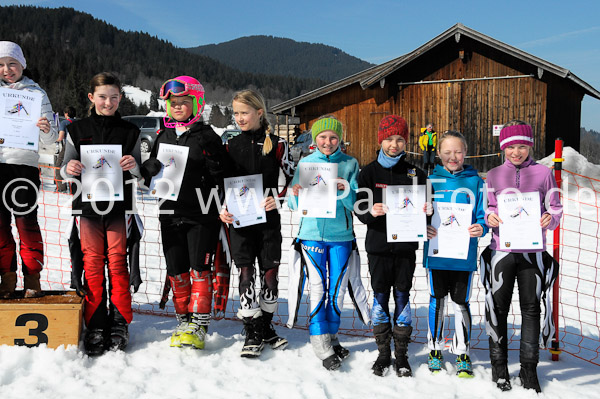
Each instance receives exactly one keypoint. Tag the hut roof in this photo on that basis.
(372, 75)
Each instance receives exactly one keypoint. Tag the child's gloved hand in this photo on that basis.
(152, 166)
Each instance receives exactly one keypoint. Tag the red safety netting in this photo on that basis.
(579, 316)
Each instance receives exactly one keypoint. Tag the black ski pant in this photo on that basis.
(514, 266)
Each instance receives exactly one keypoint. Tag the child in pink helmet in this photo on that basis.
(189, 231)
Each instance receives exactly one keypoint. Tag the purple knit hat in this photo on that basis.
(516, 134)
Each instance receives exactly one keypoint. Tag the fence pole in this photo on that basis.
(558, 160)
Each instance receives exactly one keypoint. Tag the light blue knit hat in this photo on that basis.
(324, 124)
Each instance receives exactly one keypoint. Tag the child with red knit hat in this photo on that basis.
(533, 269)
(391, 265)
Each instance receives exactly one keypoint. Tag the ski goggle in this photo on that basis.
(178, 88)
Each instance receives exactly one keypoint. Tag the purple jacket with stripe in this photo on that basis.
(527, 177)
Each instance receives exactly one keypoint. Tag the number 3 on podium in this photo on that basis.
(42, 325)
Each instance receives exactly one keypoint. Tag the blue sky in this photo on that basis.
(566, 33)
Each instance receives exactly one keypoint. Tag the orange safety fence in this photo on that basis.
(579, 309)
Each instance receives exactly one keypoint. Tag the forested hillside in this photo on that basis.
(280, 56)
(590, 145)
(65, 48)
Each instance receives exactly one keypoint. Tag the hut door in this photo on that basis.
(370, 116)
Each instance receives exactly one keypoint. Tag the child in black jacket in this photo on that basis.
(391, 265)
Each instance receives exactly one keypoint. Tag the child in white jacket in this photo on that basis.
(20, 181)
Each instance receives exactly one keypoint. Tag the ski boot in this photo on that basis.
(119, 337)
(528, 376)
(269, 334)
(182, 322)
(435, 361)
(323, 349)
(94, 342)
(501, 376)
(195, 332)
(339, 350)
(401, 339)
(8, 285)
(31, 286)
(333, 362)
(464, 368)
(383, 337)
(253, 345)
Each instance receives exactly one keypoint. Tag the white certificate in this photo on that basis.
(520, 227)
(102, 175)
(20, 111)
(317, 198)
(405, 219)
(243, 196)
(452, 222)
(167, 183)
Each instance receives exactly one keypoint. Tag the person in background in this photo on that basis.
(20, 182)
(69, 114)
(428, 143)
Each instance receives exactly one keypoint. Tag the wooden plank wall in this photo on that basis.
(471, 107)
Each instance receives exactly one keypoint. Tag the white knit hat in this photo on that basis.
(10, 49)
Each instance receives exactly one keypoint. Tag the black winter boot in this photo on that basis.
(253, 345)
(401, 339)
(119, 337)
(528, 376)
(499, 359)
(383, 338)
(269, 334)
(94, 342)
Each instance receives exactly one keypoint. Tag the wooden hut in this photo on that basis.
(460, 80)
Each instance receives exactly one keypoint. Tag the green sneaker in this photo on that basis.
(195, 333)
(435, 361)
(183, 320)
(464, 368)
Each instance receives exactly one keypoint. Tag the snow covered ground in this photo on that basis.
(149, 368)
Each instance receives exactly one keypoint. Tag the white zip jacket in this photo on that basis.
(20, 156)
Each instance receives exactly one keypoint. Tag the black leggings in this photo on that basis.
(514, 266)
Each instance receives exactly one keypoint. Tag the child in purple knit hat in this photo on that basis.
(533, 268)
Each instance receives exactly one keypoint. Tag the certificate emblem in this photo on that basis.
(89, 196)
(394, 236)
(304, 212)
(507, 244)
(318, 179)
(1, 141)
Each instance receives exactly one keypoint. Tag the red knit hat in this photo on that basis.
(392, 125)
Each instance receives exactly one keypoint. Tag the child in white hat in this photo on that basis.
(19, 175)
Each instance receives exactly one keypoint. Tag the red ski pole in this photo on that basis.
(558, 160)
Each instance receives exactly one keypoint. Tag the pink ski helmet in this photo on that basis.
(183, 86)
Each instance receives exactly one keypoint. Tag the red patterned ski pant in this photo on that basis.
(104, 240)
